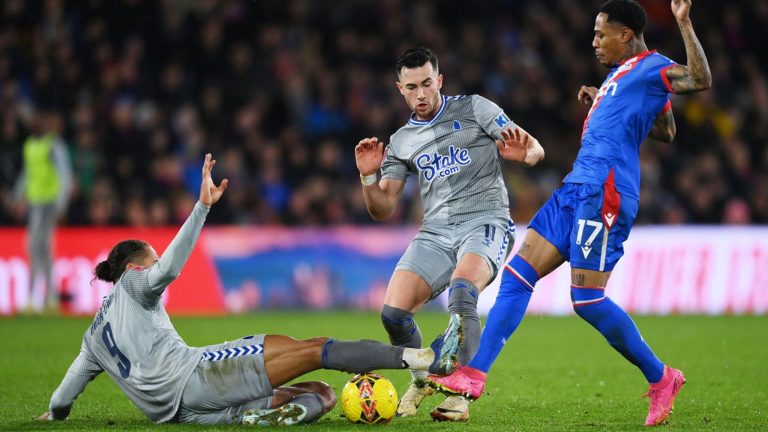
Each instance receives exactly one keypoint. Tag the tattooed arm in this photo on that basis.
(664, 127)
(696, 76)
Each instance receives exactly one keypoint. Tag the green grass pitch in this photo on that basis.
(556, 373)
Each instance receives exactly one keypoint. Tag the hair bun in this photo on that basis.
(103, 271)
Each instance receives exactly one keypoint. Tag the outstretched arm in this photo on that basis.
(176, 255)
(696, 75)
(80, 373)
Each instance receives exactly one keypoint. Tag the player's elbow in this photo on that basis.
(704, 81)
(381, 209)
(379, 215)
(671, 133)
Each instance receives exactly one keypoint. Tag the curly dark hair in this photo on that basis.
(415, 57)
(124, 252)
(626, 12)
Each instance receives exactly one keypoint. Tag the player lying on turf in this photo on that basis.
(587, 219)
(132, 339)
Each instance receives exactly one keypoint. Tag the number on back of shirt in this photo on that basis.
(123, 364)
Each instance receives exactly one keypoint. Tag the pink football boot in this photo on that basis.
(465, 381)
(662, 395)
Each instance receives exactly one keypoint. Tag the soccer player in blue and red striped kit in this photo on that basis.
(588, 218)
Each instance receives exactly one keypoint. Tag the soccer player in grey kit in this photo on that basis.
(132, 339)
(452, 144)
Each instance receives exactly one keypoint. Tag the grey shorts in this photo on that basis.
(436, 249)
(229, 380)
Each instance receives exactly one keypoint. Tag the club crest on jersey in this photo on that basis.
(434, 165)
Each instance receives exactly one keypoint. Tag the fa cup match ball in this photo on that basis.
(369, 398)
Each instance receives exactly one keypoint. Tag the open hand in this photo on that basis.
(515, 144)
(209, 192)
(587, 95)
(369, 153)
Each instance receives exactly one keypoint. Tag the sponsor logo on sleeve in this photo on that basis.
(501, 120)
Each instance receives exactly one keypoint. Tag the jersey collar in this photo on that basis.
(638, 56)
(415, 122)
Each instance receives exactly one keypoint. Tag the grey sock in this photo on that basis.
(462, 300)
(313, 403)
(361, 356)
(401, 327)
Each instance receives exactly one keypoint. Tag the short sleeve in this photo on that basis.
(667, 106)
(393, 167)
(491, 118)
(656, 75)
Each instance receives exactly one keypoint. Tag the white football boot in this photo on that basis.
(453, 408)
(416, 393)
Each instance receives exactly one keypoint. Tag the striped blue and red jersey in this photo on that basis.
(622, 115)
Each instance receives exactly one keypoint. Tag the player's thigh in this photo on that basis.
(542, 255)
(424, 270)
(407, 290)
(482, 246)
(286, 358)
(599, 232)
(547, 242)
(228, 375)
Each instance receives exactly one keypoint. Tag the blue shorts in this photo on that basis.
(587, 224)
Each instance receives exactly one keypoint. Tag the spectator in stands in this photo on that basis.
(148, 87)
(43, 187)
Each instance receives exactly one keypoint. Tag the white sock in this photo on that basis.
(419, 375)
(419, 359)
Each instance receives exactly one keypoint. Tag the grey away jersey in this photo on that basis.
(133, 340)
(455, 158)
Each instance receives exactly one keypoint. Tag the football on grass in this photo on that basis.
(369, 398)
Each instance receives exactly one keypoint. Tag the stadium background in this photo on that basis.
(281, 91)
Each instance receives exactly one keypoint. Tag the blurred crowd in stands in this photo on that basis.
(280, 91)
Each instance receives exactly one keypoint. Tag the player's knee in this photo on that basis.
(397, 322)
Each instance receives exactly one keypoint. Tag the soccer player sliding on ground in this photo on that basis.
(588, 218)
(132, 339)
